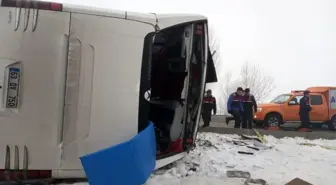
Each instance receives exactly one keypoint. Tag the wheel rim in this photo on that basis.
(273, 121)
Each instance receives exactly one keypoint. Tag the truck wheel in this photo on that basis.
(332, 123)
(273, 120)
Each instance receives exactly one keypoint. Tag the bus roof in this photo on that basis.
(164, 20)
(161, 20)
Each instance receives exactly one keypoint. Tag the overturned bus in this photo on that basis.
(76, 79)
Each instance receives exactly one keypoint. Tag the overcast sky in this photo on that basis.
(293, 40)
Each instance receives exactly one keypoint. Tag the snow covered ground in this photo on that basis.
(215, 154)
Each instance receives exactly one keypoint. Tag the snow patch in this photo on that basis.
(215, 154)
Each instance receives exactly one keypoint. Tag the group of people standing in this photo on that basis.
(241, 105)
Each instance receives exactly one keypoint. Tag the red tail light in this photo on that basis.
(25, 175)
(41, 5)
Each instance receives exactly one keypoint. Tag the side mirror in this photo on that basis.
(292, 103)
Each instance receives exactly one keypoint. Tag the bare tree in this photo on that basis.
(214, 44)
(226, 85)
(253, 77)
(221, 85)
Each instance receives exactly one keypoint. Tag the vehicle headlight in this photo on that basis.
(259, 109)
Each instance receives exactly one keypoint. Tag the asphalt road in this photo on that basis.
(218, 125)
(219, 121)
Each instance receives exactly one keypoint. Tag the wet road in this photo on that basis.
(218, 125)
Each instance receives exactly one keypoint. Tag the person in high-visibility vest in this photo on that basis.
(235, 106)
(305, 109)
(209, 105)
(250, 107)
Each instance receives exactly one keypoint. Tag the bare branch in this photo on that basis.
(227, 86)
(214, 44)
(257, 80)
(251, 76)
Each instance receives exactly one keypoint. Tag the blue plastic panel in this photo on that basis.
(129, 163)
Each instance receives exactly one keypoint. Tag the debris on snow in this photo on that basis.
(276, 162)
(322, 146)
(238, 174)
(255, 181)
(254, 148)
(245, 175)
(245, 153)
(250, 138)
(298, 181)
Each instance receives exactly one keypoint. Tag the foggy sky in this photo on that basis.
(293, 40)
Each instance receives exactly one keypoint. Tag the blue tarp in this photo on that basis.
(129, 163)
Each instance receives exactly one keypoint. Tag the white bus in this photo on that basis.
(75, 79)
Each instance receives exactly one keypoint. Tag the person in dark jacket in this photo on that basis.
(250, 107)
(235, 106)
(209, 105)
(228, 119)
(305, 109)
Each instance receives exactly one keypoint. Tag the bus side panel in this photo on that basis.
(113, 53)
(40, 54)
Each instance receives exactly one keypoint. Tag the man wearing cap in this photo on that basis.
(305, 109)
(235, 106)
(209, 105)
(250, 107)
